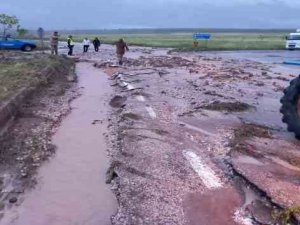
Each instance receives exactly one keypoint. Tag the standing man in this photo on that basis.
(54, 43)
(121, 49)
(70, 45)
(86, 44)
(96, 43)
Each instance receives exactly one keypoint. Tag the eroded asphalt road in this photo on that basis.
(200, 140)
(193, 139)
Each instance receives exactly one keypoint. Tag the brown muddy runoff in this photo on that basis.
(71, 187)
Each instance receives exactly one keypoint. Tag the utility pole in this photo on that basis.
(41, 34)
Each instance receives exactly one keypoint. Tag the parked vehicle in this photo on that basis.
(14, 44)
(293, 41)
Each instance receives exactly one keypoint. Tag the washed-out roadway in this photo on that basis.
(176, 143)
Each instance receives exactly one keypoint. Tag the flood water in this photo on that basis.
(276, 57)
(71, 187)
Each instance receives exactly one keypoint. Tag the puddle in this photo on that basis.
(250, 196)
(255, 207)
(71, 188)
(263, 56)
(267, 113)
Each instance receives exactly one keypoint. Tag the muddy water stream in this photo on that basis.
(71, 187)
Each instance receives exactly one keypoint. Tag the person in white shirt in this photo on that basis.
(86, 44)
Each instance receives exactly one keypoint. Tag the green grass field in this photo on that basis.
(184, 41)
(18, 71)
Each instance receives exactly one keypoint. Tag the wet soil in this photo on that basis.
(270, 164)
(275, 170)
(26, 143)
(208, 106)
(173, 161)
(71, 187)
(245, 132)
(227, 106)
(199, 208)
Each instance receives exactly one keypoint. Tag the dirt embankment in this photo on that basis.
(39, 89)
(21, 75)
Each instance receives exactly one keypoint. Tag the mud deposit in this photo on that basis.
(26, 142)
(71, 187)
(208, 109)
(192, 139)
(227, 106)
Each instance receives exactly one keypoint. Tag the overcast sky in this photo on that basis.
(99, 14)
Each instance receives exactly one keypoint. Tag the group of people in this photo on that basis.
(121, 46)
(85, 43)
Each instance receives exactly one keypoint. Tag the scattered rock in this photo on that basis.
(111, 173)
(131, 116)
(118, 101)
(260, 83)
(97, 121)
(13, 200)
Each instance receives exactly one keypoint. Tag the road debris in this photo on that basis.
(183, 128)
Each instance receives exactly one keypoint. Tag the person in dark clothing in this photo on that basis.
(121, 49)
(96, 43)
(70, 45)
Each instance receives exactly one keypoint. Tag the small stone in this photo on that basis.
(24, 175)
(13, 200)
(260, 83)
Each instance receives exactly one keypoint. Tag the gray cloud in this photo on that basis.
(98, 14)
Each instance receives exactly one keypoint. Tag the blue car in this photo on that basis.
(14, 44)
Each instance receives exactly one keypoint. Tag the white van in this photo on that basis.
(293, 41)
